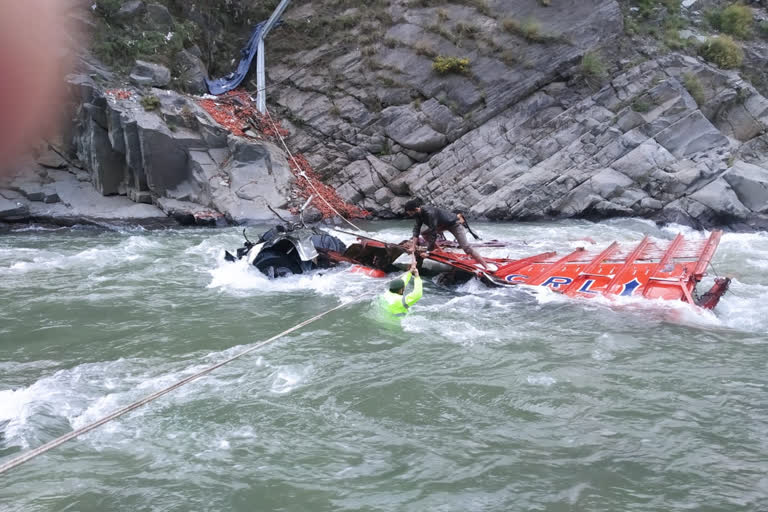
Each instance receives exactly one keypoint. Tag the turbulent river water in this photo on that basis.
(480, 399)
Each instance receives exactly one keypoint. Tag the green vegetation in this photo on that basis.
(529, 29)
(424, 48)
(481, 6)
(150, 102)
(371, 64)
(723, 51)
(762, 29)
(490, 43)
(387, 81)
(673, 41)
(445, 65)
(467, 30)
(335, 111)
(642, 106)
(659, 19)
(509, 57)
(442, 31)
(592, 67)
(695, 89)
(119, 45)
(735, 20)
(107, 9)
(647, 8)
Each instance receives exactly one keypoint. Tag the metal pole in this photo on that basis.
(261, 97)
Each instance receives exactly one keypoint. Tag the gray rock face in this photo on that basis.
(750, 183)
(159, 17)
(192, 72)
(12, 210)
(177, 156)
(411, 130)
(639, 147)
(519, 136)
(59, 197)
(130, 11)
(95, 150)
(149, 74)
(52, 160)
(257, 176)
(407, 107)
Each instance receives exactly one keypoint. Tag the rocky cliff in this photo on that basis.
(515, 109)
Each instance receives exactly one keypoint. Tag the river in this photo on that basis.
(480, 400)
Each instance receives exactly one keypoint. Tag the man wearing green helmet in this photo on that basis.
(395, 301)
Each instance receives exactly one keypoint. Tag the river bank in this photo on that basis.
(587, 112)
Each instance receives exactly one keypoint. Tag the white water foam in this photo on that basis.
(239, 278)
(40, 260)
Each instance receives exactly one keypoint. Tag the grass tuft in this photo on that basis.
(723, 51)
(447, 65)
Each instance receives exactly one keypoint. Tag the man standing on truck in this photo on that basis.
(438, 220)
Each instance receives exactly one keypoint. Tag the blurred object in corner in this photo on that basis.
(36, 52)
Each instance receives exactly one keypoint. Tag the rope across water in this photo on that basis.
(31, 454)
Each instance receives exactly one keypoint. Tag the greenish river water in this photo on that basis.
(482, 400)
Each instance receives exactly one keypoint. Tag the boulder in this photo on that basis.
(130, 11)
(402, 161)
(721, 200)
(164, 160)
(12, 210)
(106, 166)
(257, 176)
(51, 160)
(149, 74)
(159, 17)
(690, 135)
(192, 72)
(750, 183)
(411, 130)
(189, 214)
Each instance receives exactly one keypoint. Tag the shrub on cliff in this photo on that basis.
(763, 29)
(529, 29)
(695, 89)
(592, 67)
(107, 9)
(150, 102)
(736, 20)
(446, 65)
(647, 8)
(723, 51)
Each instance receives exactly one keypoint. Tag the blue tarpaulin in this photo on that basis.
(232, 80)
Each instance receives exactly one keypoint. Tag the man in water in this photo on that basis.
(438, 220)
(395, 301)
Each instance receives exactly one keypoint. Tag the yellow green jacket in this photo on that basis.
(396, 304)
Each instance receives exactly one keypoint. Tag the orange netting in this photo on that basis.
(120, 94)
(299, 164)
(236, 111)
(231, 110)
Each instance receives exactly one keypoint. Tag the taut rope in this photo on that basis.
(31, 454)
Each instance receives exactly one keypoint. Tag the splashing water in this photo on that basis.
(480, 399)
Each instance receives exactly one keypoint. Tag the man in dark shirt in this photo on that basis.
(438, 220)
